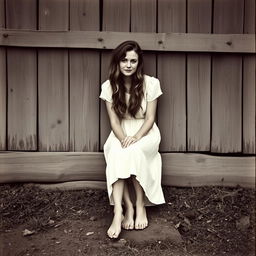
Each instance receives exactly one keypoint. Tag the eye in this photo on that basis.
(123, 60)
(134, 61)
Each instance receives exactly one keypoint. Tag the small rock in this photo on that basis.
(27, 232)
(243, 223)
(191, 214)
(93, 218)
(89, 233)
(51, 222)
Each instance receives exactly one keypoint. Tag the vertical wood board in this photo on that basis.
(227, 81)
(198, 79)
(172, 74)
(54, 15)
(226, 104)
(84, 101)
(249, 84)
(22, 80)
(84, 81)
(85, 15)
(53, 100)
(116, 17)
(21, 14)
(53, 80)
(143, 19)
(3, 94)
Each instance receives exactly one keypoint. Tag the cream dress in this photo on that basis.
(142, 158)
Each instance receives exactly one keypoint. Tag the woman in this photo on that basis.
(131, 150)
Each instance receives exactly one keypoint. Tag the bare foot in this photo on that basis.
(115, 228)
(128, 222)
(141, 220)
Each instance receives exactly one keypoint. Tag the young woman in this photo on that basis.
(131, 150)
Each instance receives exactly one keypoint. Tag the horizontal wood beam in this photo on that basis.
(179, 169)
(181, 42)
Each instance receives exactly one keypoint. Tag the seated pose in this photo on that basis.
(131, 150)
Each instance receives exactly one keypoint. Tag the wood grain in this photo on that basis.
(84, 100)
(116, 17)
(3, 95)
(84, 15)
(249, 84)
(22, 80)
(198, 80)
(84, 81)
(53, 15)
(53, 100)
(179, 169)
(160, 42)
(53, 81)
(143, 19)
(227, 82)
(171, 72)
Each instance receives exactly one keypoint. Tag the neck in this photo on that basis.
(127, 79)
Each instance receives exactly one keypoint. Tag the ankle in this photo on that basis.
(140, 204)
(118, 209)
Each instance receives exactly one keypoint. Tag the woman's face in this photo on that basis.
(128, 65)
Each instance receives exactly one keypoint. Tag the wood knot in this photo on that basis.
(100, 39)
(5, 35)
(229, 43)
(160, 42)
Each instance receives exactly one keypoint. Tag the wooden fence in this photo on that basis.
(54, 55)
(49, 96)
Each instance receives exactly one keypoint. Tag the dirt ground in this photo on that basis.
(208, 220)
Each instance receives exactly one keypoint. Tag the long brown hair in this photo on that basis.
(117, 80)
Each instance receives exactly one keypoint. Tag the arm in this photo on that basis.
(149, 119)
(115, 122)
(147, 125)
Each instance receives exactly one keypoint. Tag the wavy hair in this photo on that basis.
(116, 79)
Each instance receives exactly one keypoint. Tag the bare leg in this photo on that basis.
(115, 228)
(128, 222)
(141, 220)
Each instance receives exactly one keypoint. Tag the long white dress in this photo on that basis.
(140, 159)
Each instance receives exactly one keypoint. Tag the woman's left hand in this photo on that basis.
(127, 141)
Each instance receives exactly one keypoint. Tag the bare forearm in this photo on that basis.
(118, 130)
(147, 125)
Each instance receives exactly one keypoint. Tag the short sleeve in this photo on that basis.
(153, 89)
(106, 91)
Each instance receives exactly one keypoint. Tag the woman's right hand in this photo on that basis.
(127, 141)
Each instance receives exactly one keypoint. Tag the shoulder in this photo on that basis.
(151, 82)
(106, 84)
(150, 79)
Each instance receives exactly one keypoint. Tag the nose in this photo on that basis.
(128, 64)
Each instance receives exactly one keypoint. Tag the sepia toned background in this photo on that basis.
(49, 97)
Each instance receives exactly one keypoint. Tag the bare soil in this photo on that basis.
(209, 220)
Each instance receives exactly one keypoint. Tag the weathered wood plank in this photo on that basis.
(53, 100)
(53, 15)
(22, 80)
(3, 97)
(3, 94)
(84, 100)
(53, 81)
(178, 169)
(198, 80)
(73, 185)
(249, 84)
(143, 19)
(162, 42)
(227, 82)
(84, 15)
(84, 81)
(171, 72)
(116, 17)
